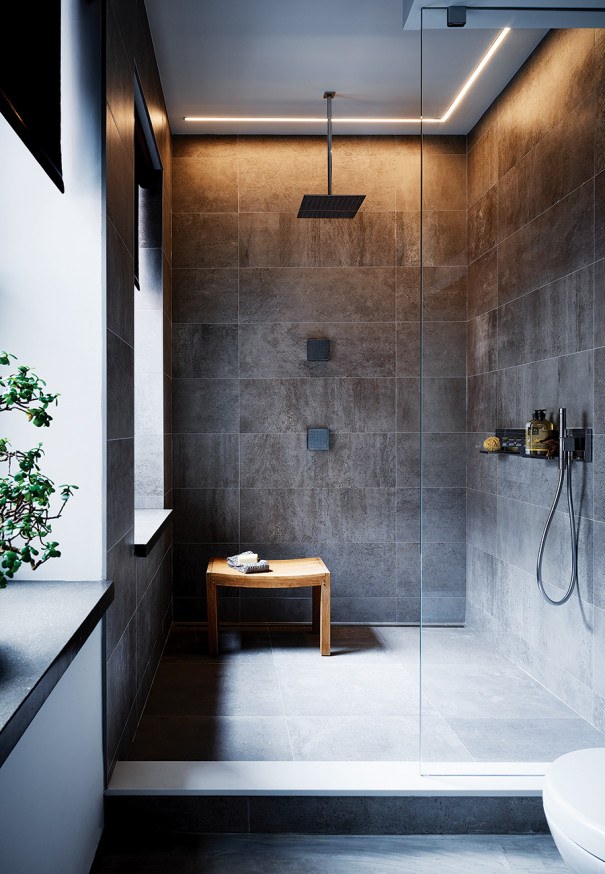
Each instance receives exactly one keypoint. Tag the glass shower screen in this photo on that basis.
(512, 321)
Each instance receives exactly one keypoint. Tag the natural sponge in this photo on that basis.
(492, 444)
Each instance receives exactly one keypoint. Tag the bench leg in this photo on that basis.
(316, 595)
(324, 633)
(212, 617)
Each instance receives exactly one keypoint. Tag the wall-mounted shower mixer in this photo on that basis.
(574, 443)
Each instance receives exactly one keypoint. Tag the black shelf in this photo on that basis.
(579, 442)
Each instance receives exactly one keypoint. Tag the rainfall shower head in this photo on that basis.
(335, 206)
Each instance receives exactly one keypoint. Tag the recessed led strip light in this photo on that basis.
(320, 120)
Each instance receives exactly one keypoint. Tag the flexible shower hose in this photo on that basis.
(565, 467)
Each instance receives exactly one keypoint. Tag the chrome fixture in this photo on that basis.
(573, 443)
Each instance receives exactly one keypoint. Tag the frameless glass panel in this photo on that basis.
(513, 211)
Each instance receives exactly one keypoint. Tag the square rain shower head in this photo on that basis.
(334, 206)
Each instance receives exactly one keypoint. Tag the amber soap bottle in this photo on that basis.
(537, 430)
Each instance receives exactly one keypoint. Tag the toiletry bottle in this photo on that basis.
(536, 431)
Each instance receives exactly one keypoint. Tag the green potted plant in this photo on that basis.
(26, 494)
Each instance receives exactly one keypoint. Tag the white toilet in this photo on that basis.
(574, 804)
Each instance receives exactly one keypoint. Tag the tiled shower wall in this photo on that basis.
(251, 284)
(536, 303)
(139, 617)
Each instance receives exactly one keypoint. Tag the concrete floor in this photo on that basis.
(269, 695)
(307, 854)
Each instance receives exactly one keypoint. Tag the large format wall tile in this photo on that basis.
(311, 295)
(204, 351)
(280, 350)
(205, 239)
(205, 295)
(272, 239)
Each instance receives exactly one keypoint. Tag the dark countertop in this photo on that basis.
(43, 625)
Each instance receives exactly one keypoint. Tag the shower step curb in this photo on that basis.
(321, 798)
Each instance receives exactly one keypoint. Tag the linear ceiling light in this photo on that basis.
(312, 120)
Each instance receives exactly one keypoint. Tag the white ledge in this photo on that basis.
(324, 778)
(148, 526)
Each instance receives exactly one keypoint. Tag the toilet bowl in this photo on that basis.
(574, 804)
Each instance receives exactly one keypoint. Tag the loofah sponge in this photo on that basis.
(492, 444)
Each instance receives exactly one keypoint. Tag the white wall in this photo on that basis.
(51, 296)
(51, 785)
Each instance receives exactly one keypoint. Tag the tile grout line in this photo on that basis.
(281, 697)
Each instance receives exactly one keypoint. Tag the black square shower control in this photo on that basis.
(318, 349)
(318, 438)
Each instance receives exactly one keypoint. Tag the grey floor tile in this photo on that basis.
(211, 739)
(354, 643)
(204, 689)
(502, 692)
(190, 643)
(317, 854)
(529, 740)
(373, 739)
(333, 689)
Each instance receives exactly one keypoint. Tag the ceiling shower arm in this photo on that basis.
(329, 95)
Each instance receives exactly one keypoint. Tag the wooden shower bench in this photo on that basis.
(284, 574)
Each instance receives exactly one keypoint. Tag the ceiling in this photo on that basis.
(277, 57)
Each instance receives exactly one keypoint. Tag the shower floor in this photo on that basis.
(269, 695)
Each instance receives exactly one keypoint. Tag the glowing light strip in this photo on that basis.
(320, 120)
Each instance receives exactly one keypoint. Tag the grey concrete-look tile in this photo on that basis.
(276, 609)
(443, 515)
(444, 569)
(482, 345)
(473, 692)
(234, 689)
(337, 688)
(408, 349)
(205, 239)
(362, 294)
(204, 351)
(444, 349)
(361, 515)
(204, 295)
(443, 461)
(120, 280)
(368, 240)
(408, 404)
(483, 224)
(207, 184)
(482, 165)
(444, 294)
(121, 570)
(203, 461)
(214, 739)
(554, 320)
(408, 570)
(525, 739)
(280, 515)
(407, 285)
(210, 405)
(205, 515)
(120, 388)
(279, 350)
(482, 284)
(293, 405)
(361, 461)
(408, 461)
(361, 609)
(120, 489)
(483, 410)
(191, 562)
(444, 241)
(272, 239)
(359, 644)
(444, 404)
(408, 515)
(444, 181)
(558, 242)
(408, 238)
(281, 461)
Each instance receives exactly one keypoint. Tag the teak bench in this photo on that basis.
(284, 574)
